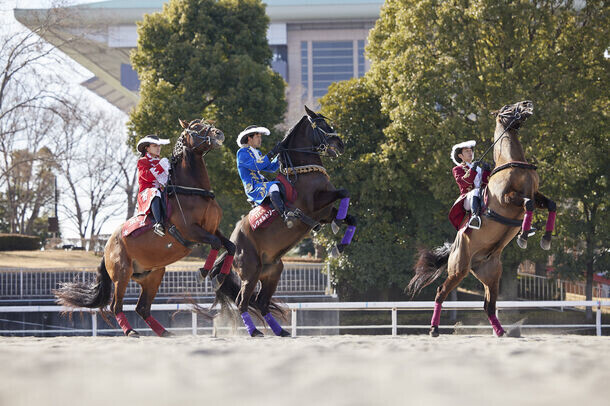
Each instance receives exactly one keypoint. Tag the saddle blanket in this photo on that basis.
(263, 215)
(141, 223)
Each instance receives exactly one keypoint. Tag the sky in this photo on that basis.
(76, 74)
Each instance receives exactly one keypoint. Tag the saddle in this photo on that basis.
(141, 223)
(263, 215)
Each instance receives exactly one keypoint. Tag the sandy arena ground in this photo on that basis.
(337, 370)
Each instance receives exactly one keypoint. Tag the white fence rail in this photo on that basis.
(19, 284)
(392, 307)
(535, 287)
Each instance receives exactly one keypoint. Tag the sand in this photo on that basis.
(335, 370)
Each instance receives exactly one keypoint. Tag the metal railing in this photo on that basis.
(534, 287)
(392, 307)
(20, 284)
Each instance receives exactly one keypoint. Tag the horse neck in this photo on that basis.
(299, 140)
(192, 172)
(509, 148)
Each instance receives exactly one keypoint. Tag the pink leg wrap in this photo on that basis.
(226, 265)
(436, 316)
(122, 320)
(209, 263)
(550, 222)
(155, 325)
(527, 221)
(495, 323)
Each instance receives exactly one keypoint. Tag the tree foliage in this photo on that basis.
(439, 68)
(211, 59)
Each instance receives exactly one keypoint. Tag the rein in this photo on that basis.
(515, 117)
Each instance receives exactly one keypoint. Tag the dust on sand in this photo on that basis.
(331, 370)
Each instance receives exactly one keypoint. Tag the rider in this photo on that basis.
(470, 177)
(153, 175)
(249, 164)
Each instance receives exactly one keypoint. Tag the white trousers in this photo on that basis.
(469, 197)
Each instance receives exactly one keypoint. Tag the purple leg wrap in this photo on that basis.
(436, 316)
(495, 323)
(349, 234)
(550, 222)
(275, 327)
(343, 208)
(245, 316)
(527, 221)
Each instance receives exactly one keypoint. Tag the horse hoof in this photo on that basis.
(284, 333)
(521, 242)
(433, 331)
(256, 333)
(334, 227)
(203, 273)
(545, 243)
(334, 252)
(133, 334)
(167, 334)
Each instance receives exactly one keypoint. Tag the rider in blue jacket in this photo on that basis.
(250, 163)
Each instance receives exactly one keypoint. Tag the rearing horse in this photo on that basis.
(512, 194)
(259, 251)
(195, 218)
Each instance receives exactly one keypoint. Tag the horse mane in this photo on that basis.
(291, 131)
(178, 152)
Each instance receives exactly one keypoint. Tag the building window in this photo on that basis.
(332, 62)
(279, 63)
(360, 58)
(129, 77)
(304, 69)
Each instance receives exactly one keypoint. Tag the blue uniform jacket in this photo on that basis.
(249, 164)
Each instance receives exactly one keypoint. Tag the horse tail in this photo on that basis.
(78, 294)
(430, 265)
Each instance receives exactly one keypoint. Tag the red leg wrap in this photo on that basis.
(550, 222)
(226, 265)
(527, 221)
(155, 326)
(209, 263)
(436, 316)
(122, 320)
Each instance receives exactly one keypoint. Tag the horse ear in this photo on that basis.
(183, 123)
(495, 113)
(310, 113)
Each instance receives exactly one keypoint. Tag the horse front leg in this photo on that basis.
(528, 204)
(543, 202)
(220, 273)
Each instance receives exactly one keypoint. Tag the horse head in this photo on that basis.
(324, 135)
(513, 115)
(200, 136)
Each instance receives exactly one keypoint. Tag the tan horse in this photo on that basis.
(195, 216)
(512, 195)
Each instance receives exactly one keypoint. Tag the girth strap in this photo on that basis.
(185, 190)
(173, 231)
(315, 225)
(492, 215)
(513, 164)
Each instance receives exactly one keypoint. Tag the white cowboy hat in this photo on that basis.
(251, 129)
(457, 149)
(150, 139)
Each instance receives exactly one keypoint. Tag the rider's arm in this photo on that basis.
(144, 172)
(247, 160)
(273, 165)
(485, 177)
(464, 178)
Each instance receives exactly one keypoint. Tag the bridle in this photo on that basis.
(514, 116)
(202, 138)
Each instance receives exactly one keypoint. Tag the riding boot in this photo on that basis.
(155, 207)
(475, 219)
(280, 207)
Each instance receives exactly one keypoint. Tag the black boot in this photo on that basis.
(280, 207)
(475, 219)
(155, 207)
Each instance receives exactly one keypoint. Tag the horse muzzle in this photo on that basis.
(218, 139)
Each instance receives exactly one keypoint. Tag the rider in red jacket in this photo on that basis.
(471, 177)
(153, 174)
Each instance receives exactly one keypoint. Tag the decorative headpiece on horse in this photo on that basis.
(457, 149)
(242, 138)
(150, 139)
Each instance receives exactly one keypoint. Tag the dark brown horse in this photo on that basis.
(259, 252)
(512, 195)
(194, 219)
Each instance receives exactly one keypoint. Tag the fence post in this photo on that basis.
(561, 293)
(21, 284)
(194, 323)
(294, 323)
(394, 322)
(328, 287)
(598, 319)
(94, 323)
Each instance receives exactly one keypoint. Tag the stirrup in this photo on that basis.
(159, 230)
(289, 218)
(474, 222)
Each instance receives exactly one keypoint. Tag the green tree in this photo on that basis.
(440, 67)
(211, 59)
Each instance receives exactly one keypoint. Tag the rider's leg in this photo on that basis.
(278, 204)
(475, 218)
(155, 207)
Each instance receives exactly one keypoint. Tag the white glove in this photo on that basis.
(164, 164)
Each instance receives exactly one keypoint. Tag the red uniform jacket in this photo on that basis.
(464, 177)
(151, 176)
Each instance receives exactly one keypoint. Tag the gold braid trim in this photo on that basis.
(305, 169)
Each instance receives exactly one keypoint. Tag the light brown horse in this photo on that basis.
(259, 252)
(195, 215)
(512, 194)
